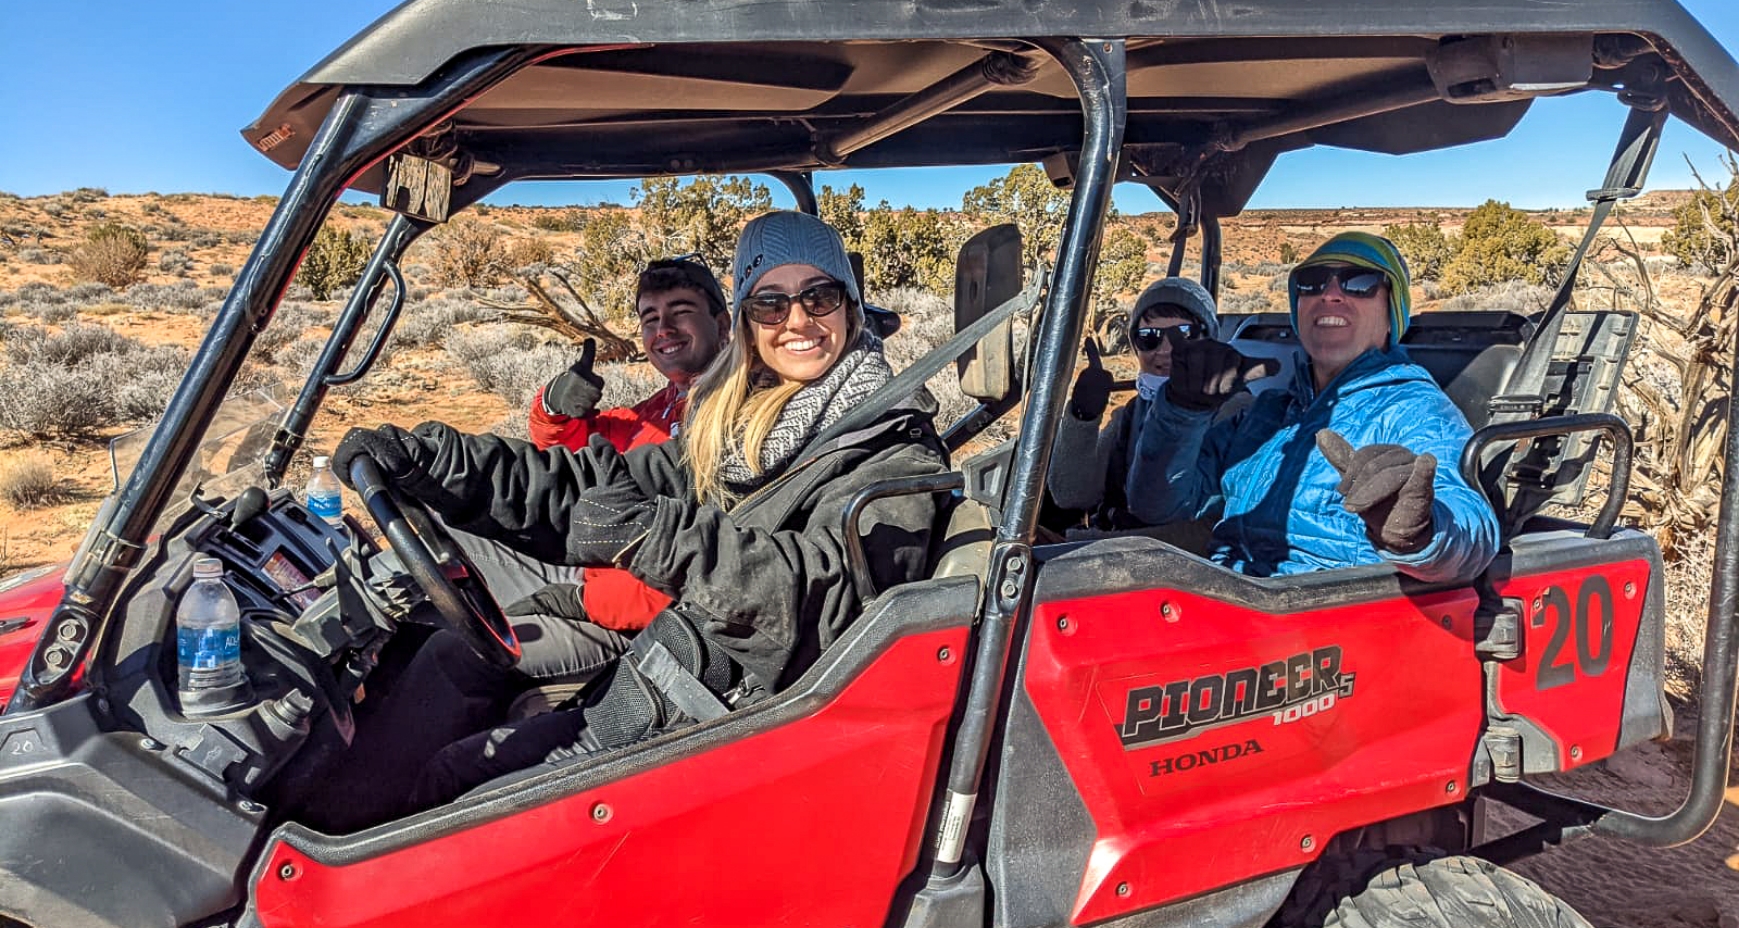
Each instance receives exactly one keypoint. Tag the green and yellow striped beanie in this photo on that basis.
(1362, 249)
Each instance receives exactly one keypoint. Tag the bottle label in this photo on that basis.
(211, 656)
(326, 506)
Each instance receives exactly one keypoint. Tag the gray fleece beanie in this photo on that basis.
(789, 237)
(1179, 291)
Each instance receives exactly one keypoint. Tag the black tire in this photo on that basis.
(1339, 874)
(1452, 892)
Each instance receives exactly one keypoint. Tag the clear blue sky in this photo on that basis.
(135, 97)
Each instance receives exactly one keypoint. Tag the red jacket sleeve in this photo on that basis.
(549, 429)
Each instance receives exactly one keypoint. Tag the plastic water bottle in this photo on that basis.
(208, 641)
(325, 496)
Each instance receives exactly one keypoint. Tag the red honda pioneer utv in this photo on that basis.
(1106, 732)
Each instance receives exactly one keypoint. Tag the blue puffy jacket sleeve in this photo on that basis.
(1180, 455)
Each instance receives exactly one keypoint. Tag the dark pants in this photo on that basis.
(448, 692)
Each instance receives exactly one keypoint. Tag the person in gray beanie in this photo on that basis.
(1090, 461)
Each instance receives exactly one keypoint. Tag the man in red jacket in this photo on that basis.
(684, 323)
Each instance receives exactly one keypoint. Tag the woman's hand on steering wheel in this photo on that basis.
(428, 553)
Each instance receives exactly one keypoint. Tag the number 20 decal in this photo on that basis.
(1589, 624)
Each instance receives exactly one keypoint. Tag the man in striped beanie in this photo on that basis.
(1341, 468)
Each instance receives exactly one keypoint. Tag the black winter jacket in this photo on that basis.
(767, 580)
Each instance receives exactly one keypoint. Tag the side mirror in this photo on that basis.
(989, 273)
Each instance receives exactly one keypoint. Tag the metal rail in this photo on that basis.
(1097, 68)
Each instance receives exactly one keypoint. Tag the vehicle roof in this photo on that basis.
(764, 85)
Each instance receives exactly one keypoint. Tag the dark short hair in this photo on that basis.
(684, 272)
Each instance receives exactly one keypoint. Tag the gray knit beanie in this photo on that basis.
(789, 237)
(1182, 292)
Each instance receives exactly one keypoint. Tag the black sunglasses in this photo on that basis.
(770, 307)
(1149, 338)
(1354, 281)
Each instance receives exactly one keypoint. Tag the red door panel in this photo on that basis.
(813, 822)
(1213, 743)
(1579, 629)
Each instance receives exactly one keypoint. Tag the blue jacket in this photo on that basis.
(1280, 510)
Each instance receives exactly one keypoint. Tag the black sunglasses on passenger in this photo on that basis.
(1354, 281)
(770, 307)
(1149, 338)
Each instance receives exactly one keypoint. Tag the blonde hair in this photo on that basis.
(727, 402)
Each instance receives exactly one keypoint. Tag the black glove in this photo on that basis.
(1387, 486)
(609, 519)
(1206, 373)
(561, 600)
(576, 391)
(1092, 387)
(399, 453)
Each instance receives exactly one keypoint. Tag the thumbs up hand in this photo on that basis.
(1092, 391)
(1388, 487)
(576, 391)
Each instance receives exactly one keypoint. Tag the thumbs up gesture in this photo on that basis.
(1092, 387)
(576, 391)
(1206, 373)
(1388, 487)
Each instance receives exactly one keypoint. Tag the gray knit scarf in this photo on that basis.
(858, 373)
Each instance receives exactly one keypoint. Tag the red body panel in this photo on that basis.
(1579, 629)
(811, 823)
(1392, 723)
(31, 596)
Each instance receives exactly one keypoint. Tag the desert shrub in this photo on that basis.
(89, 292)
(111, 254)
(239, 238)
(909, 248)
(53, 313)
(1513, 295)
(1500, 243)
(41, 256)
(89, 194)
(38, 292)
(470, 344)
(55, 209)
(426, 324)
(72, 345)
(175, 261)
(95, 213)
(174, 233)
(31, 483)
(561, 220)
(206, 240)
(1702, 228)
(1288, 253)
(180, 297)
(624, 384)
(1427, 250)
(221, 270)
(1247, 302)
(333, 262)
(515, 375)
(525, 252)
(44, 400)
(299, 356)
(289, 323)
(147, 379)
(467, 252)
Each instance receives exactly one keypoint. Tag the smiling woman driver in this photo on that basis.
(753, 556)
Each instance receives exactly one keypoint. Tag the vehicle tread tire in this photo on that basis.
(1452, 892)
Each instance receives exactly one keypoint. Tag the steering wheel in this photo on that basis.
(438, 565)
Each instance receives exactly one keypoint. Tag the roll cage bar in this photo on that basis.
(366, 123)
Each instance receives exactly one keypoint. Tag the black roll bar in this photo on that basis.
(383, 264)
(362, 127)
(896, 486)
(1614, 427)
(1097, 69)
